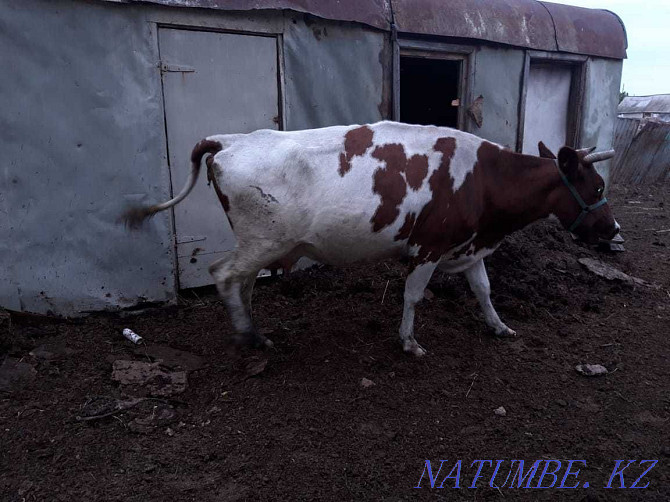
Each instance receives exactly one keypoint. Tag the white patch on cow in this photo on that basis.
(480, 286)
(464, 159)
(414, 290)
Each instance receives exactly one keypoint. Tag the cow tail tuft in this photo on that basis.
(134, 216)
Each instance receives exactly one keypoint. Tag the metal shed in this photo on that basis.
(103, 99)
(642, 107)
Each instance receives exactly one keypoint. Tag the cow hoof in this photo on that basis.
(259, 341)
(414, 348)
(505, 332)
(252, 339)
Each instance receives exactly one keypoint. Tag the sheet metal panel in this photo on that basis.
(232, 88)
(335, 74)
(603, 81)
(547, 107)
(647, 159)
(501, 95)
(81, 134)
(624, 133)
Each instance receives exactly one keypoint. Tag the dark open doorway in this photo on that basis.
(430, 91)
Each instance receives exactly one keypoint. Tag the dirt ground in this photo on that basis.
(296, 423)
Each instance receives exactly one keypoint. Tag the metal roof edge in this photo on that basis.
(532, 24)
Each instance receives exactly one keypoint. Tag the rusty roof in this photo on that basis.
(588, 31)
(524, 23)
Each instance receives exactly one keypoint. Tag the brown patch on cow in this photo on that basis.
(356, 142)
(390, 184)
(503, 193)
(203, 147)
(438, 224)
(406, 230)
(416, 171)
(223, 198)
(511, 187)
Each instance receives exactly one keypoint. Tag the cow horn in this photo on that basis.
(592, 158)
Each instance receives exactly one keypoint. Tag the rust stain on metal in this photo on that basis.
(588, 31)
(525, 23)
(476, 111)
(386, 62)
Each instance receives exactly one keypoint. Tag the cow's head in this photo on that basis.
(579, 202)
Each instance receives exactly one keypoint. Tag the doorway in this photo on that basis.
(430, 90)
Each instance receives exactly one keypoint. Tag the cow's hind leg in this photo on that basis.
(247, 290)
(415, 285)
(235, 276)
(480, 286)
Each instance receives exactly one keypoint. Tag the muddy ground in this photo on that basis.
(295, 423)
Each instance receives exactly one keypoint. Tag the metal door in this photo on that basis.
(213, 83)
(547, 107)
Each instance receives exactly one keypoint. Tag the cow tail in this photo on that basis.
(134, 216)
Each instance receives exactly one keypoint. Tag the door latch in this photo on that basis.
(165, 67)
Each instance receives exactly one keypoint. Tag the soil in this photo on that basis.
(299, 422)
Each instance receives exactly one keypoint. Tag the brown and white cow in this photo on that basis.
(441, 197)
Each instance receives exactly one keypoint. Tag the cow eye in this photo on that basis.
(599, 190)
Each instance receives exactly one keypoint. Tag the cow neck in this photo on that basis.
(533, 183)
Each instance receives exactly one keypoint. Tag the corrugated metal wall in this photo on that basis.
(643, 151)
(603, 81)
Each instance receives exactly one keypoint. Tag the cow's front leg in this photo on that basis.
(415, 285)
(480, 286)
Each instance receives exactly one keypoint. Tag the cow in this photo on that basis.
(436, 196)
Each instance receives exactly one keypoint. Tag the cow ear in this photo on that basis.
(568, 161)
(545, 153)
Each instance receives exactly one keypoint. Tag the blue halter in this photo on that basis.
(586, 209)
